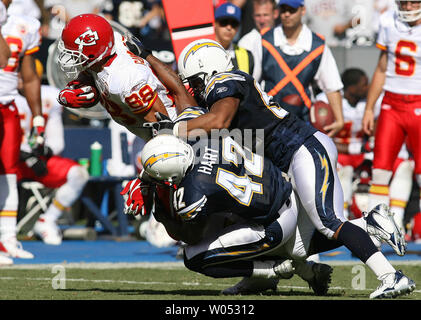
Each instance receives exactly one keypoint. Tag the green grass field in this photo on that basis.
(174, 282)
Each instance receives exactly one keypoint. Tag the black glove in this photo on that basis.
(38, 165)
(136, 46)
(367, 145)
(163, 123)
(43, 151)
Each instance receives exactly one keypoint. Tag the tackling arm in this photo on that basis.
(173, 83)
(219, 116)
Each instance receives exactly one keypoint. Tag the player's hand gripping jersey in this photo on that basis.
(225, 177)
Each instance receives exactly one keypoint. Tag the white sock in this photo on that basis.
(7, 227)
(53, 212)
(379, 265)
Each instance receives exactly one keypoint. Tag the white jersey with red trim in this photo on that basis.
(352, 132)
(129, 88)
(22, 33)
(52, 112)
(403, 46)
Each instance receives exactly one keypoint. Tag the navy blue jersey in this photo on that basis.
(227, 178)
(284, 133)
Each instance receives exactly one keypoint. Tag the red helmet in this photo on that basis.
(86, 39)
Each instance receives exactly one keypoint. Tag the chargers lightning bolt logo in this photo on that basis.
(163, 156)
(197, 47)
(325, 186)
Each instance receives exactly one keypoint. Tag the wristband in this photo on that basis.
(38, 121)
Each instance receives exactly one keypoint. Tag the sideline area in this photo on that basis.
(112, 251)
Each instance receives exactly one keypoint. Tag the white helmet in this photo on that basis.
(407, 16)
(167, 158)
(200, 60)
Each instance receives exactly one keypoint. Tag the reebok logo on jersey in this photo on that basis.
(88, 38)
(220, 90)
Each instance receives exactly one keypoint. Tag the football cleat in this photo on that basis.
(13, 248)
(321, 280)
(382, 226)
(284, 269)
(252, 285)
(49, 232)
(393, 285)
(4, 260)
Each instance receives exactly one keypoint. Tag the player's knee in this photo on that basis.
(78, 176)
(273, 235)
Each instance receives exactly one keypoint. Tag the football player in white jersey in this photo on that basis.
(22, 35)
(129, 90)
(398, 74)
(50, 169)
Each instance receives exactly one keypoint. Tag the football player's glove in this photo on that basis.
(136, 193)
(163, 123)
(38, 165)
(136, 46)
(82, 97)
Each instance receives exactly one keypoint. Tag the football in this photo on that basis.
(293, 99)
(321, 115)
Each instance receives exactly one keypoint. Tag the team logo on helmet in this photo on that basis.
(199, 46)
(88, 38)
(160, 157)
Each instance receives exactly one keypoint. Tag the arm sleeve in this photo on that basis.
(327, 77)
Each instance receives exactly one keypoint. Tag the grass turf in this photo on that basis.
(349, 282)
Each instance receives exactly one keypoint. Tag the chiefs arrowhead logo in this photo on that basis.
(88, 38)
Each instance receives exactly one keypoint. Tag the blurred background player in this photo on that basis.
(397, 73)
(355, 150)
(265, 14)
(227, 23)
(48, 168)
(4, 57)
(22, 35)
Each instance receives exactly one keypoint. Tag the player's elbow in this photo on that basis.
(219, 122)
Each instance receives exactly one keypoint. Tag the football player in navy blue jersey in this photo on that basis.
(215, 181)
(235, 101)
